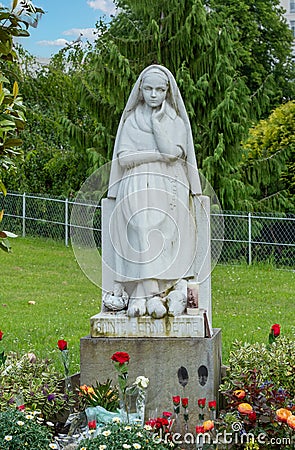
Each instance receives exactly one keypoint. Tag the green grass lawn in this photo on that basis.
(246, 300)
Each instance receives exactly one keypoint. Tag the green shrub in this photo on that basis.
(36, 381)
(19, 430)
(275, 363)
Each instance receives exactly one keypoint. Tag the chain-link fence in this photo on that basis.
(243, 236)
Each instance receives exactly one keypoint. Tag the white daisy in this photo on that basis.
(137, 446)
(128, 427)
(52, 445)
(8, 438)
(106, 433)
(116, 420)
(20, 423)
(126, 446)
(50, 424)
(29, 416)
(102, 447)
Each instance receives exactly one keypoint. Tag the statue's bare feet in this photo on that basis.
(136, 307)
(156, 308)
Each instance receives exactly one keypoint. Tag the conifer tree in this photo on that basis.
(269, 160)
(202, 54)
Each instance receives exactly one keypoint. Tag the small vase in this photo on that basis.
(140, 405)
(91, 417)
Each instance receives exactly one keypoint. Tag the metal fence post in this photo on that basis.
(24, 214)
(249, 239)
(66, 222)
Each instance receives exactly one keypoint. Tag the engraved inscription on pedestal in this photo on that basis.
(123, 326)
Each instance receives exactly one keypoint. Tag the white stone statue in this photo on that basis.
(153, 178)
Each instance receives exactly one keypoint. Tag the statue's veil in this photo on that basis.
(175, 100)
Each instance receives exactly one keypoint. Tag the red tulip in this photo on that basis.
(1, 335)
(176, 400)
(62, 344)
(200, 430)
(184, 402)
(212, 405)
(276, 329)
(202, 402)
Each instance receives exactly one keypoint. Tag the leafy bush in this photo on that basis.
(276, 363)
(36, 381)
(19, 430)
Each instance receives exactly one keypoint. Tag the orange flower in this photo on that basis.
(209, 425)
(283, 414)
(245, 408)
(84, 388)
(240, 394)
(291, 421)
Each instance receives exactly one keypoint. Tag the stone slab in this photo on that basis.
(159, 359)
(108, 325)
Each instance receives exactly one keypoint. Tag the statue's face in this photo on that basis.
(154, 90)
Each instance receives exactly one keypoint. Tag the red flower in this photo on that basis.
(252, 416)
(62, 344)
(200, 430)
(92, 424)
(202, 402)
(21, 407)
(161, 422)
(276, 329)
(212, 405)
(1, 335)
(167, 414)
(120, 357)
(176, 400)
(184, 402)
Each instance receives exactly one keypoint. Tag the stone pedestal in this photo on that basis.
(159, 359)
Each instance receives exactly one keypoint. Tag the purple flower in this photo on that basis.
(51, 397)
